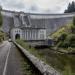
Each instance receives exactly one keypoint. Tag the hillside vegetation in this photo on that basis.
(1, 32)
(1, 36)
(65, 37)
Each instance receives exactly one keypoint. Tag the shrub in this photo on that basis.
(60, 44)
(73, 26)
(65, 44)
(74, 20)
(1, 36)
(0, 19)
(61, 39)
(73, 29)
(70, 41)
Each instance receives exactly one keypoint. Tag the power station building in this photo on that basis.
(26, 26)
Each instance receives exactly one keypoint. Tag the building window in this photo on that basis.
(41, 36)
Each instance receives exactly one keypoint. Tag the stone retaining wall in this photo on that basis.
(40, 65)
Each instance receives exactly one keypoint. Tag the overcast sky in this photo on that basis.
(40, 6)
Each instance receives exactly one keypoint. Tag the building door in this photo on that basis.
(17, 36)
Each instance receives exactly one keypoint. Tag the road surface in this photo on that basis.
(9, 60)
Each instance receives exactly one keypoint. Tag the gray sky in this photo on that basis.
(40, 6)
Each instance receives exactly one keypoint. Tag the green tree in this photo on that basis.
(70, 8)
(74, 20)
(73, 26)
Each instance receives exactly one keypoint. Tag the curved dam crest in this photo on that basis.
(51, 22)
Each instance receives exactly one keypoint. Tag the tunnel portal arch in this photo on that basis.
(17, 36)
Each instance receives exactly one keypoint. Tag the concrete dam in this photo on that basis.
(51, 22)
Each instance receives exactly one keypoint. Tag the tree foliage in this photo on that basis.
(73, 26)
(70, 8)
(1, 36)
(67, 36)
(74, 20)
(0, 19)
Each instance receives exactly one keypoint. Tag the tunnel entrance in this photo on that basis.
(17, 36)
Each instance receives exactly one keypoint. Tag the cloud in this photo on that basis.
(40, 6)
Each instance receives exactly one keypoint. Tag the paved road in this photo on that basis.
(9, 60)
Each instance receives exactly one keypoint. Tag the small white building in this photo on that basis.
(27, 28)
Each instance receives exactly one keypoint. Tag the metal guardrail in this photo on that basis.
(40, 65)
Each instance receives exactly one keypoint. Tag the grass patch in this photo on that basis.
(1, 36)
(26, 66)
